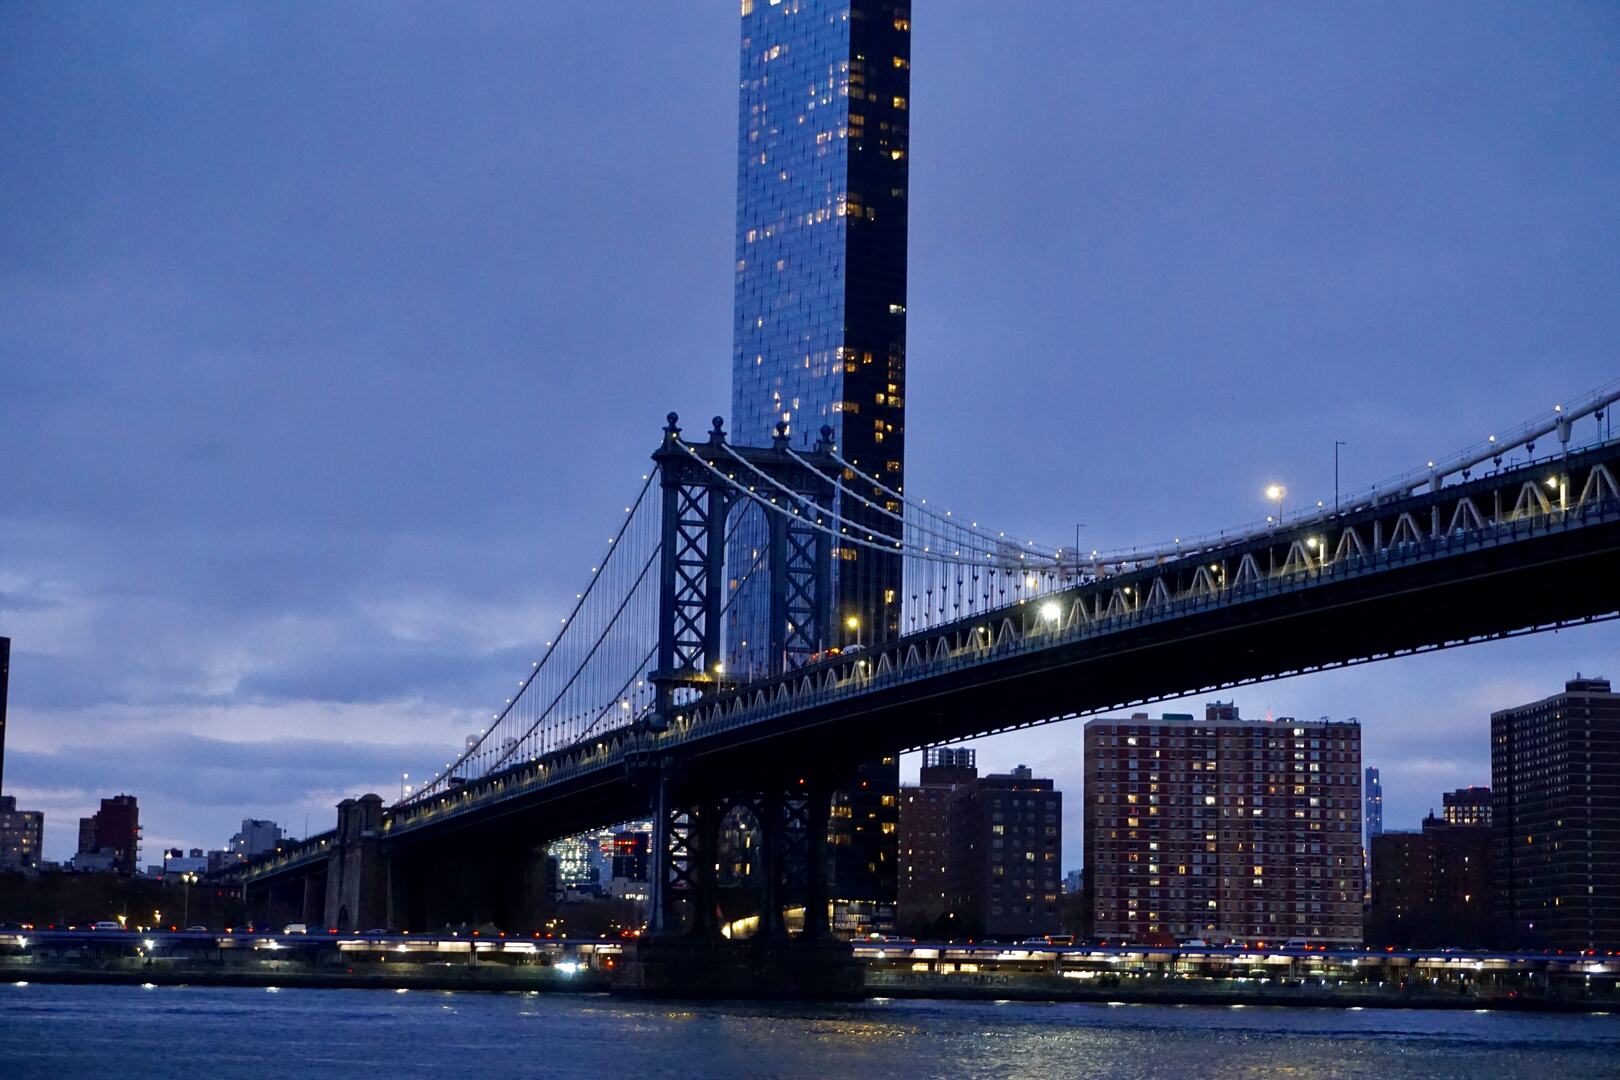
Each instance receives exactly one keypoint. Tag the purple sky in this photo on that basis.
(332, 339)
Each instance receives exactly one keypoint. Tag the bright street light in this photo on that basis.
(1275, 493)
(1050, 611)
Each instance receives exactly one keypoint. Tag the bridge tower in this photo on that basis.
(706, 487)
(701, 489)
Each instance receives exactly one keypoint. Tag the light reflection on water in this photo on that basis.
(56, 1032)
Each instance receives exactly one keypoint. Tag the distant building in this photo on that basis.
(256, 837)
(115, 829)
(925, 847)
(1432, 888)
(1555, 818)
(1467, 806)
(1373, 794)
(103, 861)
(1223, 828)
(863, 839)
(21, 834)
(630, 856)
(5, 691)
(1006, 844)
(577, 872)
(176, 862)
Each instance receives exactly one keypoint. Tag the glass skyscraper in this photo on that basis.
(820, 314)
(820, 329)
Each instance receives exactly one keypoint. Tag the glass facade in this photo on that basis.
(820, 312)
(819, 335)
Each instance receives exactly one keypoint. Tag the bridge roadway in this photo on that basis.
(1523, 549)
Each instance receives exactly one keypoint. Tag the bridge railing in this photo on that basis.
(288, 855)
(954, 646)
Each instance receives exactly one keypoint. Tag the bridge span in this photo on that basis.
(1002, 635)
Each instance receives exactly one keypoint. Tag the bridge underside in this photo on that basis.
(1540, 582)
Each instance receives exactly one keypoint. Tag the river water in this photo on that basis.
(62, 1032)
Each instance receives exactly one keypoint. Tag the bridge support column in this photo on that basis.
(313, 909)
(771, 825)
(816, 900)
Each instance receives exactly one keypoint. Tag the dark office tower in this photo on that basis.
(1467, 806)
(820, 330)
(1555, 819)
(925, 846)
(1006, 837)
(630, 856)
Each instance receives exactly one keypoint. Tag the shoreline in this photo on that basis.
(544, 980)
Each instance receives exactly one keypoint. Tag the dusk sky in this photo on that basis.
(333, 339)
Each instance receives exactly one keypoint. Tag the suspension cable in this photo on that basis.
(923, 509)
(999, 545)
(551, 647)
(899, 547)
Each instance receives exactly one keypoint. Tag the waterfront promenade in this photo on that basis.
(1348, 978)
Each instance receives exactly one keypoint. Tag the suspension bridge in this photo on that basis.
(630, 710)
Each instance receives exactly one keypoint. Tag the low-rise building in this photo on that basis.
(22, 833)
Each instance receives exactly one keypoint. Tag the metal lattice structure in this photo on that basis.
(630, 697)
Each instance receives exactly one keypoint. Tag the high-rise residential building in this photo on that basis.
(1223, 828)
(22, 832)
(1467, 806)
(256, 837)
(925, 848)
(1432, 888)
(113, 831)
(1555, 818)
(1006, 845)
(819, 332)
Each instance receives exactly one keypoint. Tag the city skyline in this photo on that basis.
(282, 533)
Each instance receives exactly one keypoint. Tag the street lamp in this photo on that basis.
(1050, 611)
(853, 623)
(186, 881)
(1275, 493)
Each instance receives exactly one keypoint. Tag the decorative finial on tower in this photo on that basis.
(781, 440)
(826, 441)
(672, 429)
(717, 434)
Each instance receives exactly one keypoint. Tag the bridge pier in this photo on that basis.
(356, 879)
(313, 909)
(690, 951)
